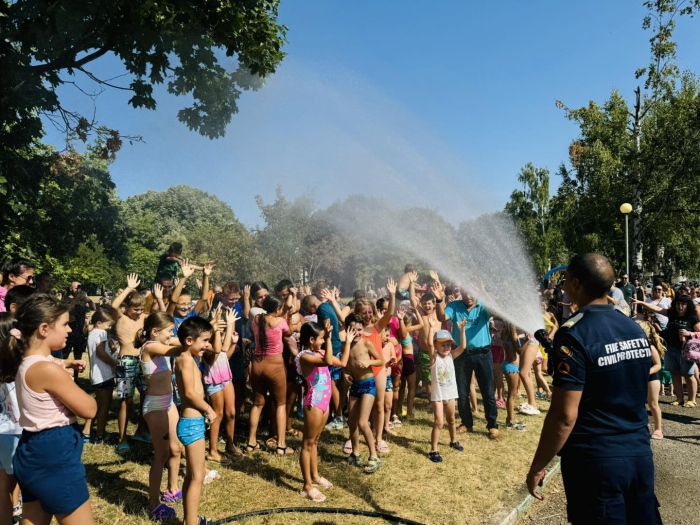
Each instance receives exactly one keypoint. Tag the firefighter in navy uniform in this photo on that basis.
(597, 421)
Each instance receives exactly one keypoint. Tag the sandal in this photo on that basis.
(677, 403)
(314, 495)
(171, 497)
(162, 512)
(382, 447)
(249, 449)
(657, 435)
(690, 404)
(373, 464)
(323, 483)
(296, 433)
(271, 442)
(354, 460)
(347, 449)
(286, 451)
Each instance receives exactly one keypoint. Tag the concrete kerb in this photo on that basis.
(511, 516)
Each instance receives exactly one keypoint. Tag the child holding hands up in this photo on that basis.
(312, 363)
(444, 391)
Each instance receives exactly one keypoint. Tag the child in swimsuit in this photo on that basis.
(194, 334)
(312, 363)
(159, 411)
(363, 356)
(511, 371)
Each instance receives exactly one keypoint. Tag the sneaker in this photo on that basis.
(341, 423)
(528, 410)
(435, 457)
(203, 521)
(396, 422)
(330, 425)
(87, 439)
(456, 446)
(516, 425)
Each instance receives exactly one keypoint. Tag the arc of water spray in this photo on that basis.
(483, 254)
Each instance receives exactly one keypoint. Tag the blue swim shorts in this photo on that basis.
(389, 384)
(214, 388)
(48, 466)
(362, 387)
(510, 368)
(190, 429)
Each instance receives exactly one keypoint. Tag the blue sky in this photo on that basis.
(432, 103)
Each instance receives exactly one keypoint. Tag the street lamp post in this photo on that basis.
(626, 209)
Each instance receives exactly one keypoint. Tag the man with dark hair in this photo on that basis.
(629, 291)
(602, 436)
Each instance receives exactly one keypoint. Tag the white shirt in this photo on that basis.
(664, 303)
(9, 410)
(442, 374)
(99, 370)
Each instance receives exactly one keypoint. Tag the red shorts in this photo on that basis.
(499, 354)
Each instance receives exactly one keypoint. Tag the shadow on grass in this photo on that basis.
(117, 489)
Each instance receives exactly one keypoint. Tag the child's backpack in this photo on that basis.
(691, 350)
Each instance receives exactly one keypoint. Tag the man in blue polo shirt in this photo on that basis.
(597, 421)
(476, 359)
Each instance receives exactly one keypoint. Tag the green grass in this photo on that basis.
(467, 487)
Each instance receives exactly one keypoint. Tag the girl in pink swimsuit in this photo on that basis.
(312, 363)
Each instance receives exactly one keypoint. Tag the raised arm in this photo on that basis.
(386, 318)
(652, 307)
(132, 282)
(462, 325)
(158, 294)
(230, 336)
(203, 301)
(187, 271)
(439, 292)
(246, 301)
(330, 298)
(412, 278)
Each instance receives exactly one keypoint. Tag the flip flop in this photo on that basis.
(296, 433)
(223, 460)
(286, 451)
(314, 495)
(162, 512)
(323, 483)
(382, 447)
(211, 476)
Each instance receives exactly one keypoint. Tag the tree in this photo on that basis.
(530, 208)
(295, 242)
(660, 83)
(204, 224)
(76, 201)
(189, 46)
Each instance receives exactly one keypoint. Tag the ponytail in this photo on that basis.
(32, 313)
(155, 321)
(271, 304)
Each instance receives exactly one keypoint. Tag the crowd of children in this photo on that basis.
(347, 366)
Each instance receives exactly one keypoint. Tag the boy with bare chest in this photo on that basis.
(363, 356)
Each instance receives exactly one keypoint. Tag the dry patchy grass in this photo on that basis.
(468, 487)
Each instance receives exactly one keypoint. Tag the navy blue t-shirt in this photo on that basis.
(607, 356)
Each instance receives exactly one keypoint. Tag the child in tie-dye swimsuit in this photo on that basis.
(313, 365)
